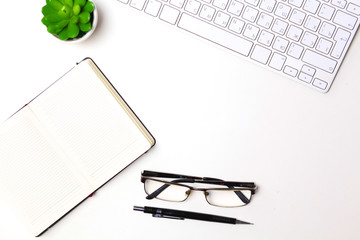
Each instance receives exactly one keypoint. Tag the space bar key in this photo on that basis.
(215, 34)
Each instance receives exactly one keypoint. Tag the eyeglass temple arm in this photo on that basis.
(157, 192)
(147, 173)
(242, 197)
(163, 187)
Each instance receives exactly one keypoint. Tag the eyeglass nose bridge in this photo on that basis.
(188, 192)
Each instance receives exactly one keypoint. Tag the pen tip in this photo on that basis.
(137, 208)
(243, 222)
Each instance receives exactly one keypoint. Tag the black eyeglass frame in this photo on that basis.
(179, 179)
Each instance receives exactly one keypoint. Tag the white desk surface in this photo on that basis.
(213, 114)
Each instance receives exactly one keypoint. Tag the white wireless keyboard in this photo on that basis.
(305, 40)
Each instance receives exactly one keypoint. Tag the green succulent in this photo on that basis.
(67, 18)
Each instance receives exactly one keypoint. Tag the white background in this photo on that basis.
(213, 114)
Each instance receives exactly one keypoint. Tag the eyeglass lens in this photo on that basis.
(228, 198)
(164, 191)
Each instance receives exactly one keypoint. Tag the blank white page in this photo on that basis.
(34, 178)
(89, 123)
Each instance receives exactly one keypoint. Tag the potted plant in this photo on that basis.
(70, 20)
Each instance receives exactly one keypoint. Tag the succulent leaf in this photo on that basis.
(53, 29)
(84, 17)
(76, 9)
(80, 2)
(45, 22)
(74, 19)
(65, 11)
(63, 35)
(55, 4)
(69, 3)
(89, 7)
(85, 27)
(53, 18)
(60, 25)
(73, 30)
(46, 10)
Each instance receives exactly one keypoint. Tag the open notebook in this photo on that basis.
(65, 144)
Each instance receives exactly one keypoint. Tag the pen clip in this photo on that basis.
(169, 217)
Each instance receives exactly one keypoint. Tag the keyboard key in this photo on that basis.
(169, 14)
(311, 6)
(341, 37)
(280, 44)
(260, 54)
(220, 3)
(304, 77)
(266, 38)
(312, 23)
(309, 39)
(277, 61)
(355, 9)
(207, 12)
(138, 4)
(215, 34)
(339, 3)
(319, 61)
(345, 20)
(308, 70)
(235, 7)
(268, 5)
(192, 6)
(124, 1)
(297, 17)
(250, 14)
(324, 46)
(290, 71)
(251, 31)
(265, 20)
(296, 3)
(327, 29)
(221, 19)
(177, 3)
(282, 10)
(294, 33)
(279, 27)
(295, 50)
(236, 25)
(153, 7)
(320, 83)
(326, 12)
(252, 2)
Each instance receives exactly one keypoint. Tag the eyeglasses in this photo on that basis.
(221, 193)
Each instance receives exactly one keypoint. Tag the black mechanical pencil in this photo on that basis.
(181, 215)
